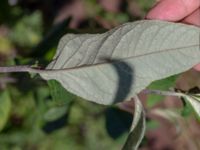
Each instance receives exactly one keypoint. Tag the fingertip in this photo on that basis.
(164, 10)
(172, 10)
(197, 67)
(193, 19)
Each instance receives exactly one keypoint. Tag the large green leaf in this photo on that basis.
(111, 67)
(5, 106)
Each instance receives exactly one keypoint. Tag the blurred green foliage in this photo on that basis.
(27, 32)
(5, 107)
(5, 46)
(145, 4)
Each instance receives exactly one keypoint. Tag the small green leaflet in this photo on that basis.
(59, 94)
(54, 113)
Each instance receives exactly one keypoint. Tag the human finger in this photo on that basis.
(197, 67)
(194, 18)
(173, 10)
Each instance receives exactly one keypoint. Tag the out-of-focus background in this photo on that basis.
(40, 115)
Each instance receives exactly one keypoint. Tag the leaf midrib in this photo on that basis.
(119, 60)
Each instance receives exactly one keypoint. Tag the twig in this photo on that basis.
(11, 69)
(164, 93)
(30, 69)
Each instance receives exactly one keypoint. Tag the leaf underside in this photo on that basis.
(111, 67)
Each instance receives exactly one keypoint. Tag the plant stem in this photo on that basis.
(18, 69)
(164, 93)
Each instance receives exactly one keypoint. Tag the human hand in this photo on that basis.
(186, 11)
